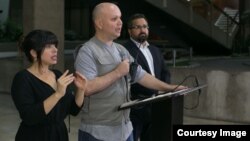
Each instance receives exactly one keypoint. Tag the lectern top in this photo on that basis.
(155, 98)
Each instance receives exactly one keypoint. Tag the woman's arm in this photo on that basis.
(81, 84)
(62, 84)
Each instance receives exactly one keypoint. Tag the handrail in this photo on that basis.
(224, 13)
(235, 16)
(11, 54)
(8, 54)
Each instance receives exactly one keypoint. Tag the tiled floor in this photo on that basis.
(9, 120)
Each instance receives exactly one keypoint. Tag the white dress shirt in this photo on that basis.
(147, 54)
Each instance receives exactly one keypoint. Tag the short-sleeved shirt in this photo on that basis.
(87, 64)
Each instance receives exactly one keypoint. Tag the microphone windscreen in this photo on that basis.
(123, 56)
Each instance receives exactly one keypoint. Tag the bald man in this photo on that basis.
(106, 66)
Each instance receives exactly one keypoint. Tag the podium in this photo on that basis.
(167, 110)
(155, 98)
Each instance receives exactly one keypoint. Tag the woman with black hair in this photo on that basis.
(40, 93)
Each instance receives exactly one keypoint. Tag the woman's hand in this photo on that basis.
(80, 81)
(63, 82)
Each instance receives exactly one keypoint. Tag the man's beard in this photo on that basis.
(142, 37)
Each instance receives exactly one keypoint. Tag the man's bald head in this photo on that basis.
(101, 9)
(107, 21)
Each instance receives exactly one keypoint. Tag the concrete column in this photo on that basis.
(48, 15)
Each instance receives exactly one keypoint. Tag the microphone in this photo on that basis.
(132, 67)
(123, 56)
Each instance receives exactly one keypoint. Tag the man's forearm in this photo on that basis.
(102, 82)
(151, 82)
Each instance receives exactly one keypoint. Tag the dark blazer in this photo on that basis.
(161, 72)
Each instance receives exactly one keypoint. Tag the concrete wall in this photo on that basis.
(9, 67)
(227, 95)
(48, 15)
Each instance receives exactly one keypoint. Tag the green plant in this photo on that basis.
(10, 31)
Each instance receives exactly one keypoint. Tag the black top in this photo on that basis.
(28, 93)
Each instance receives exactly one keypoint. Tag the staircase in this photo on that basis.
(214, 29)
(225, 24)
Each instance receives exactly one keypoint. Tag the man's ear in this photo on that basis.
(129, 32)
(98, 23)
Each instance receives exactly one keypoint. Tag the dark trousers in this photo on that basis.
(84, 136)
(142, 123)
